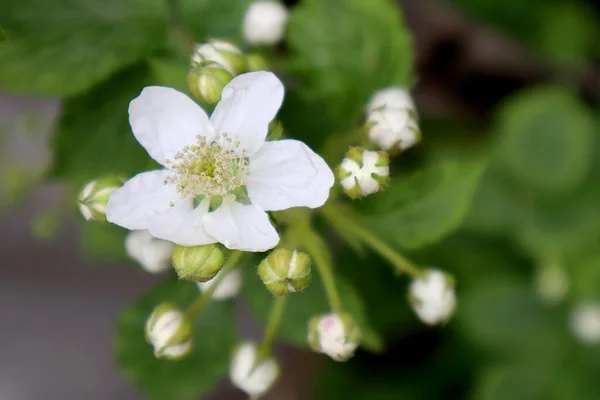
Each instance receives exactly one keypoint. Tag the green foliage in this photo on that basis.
(209, 18)
(103, 241)
(344, 50)
(196, 374)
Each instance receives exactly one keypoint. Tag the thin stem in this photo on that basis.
(341, 221)
(198, 305)
(264, 350)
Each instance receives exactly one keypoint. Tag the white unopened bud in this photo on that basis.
(227, 288)
(169, 331)
(432, 296)
(221, 52)
(334, 335)
(94, 197)
(392, 120)
(552, 283)
(207, 80)
(363, 172)
(154, 255)
(253, 376)
(198, 263)
(264, 22)
(585, 322)
(284, 271)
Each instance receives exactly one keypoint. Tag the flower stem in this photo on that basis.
(198, 305)
(265, 347)
(340, 221)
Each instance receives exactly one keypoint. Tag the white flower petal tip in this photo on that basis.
(224, 53)
(153, 255)
(432, 297)
(253, 377)
(585, 323)
(392, 97)
(334, 335)
(227, 288)
(363, 172)
(264, 22)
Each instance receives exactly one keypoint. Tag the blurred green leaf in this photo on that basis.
(93, 136)
(213, 341)
(170, 72)
(212, 18)
(545, 140)
(64, 47)
(427, 205)
(103, 241)
(301, 307)
(344, 50)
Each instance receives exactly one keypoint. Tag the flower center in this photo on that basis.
(206, 170)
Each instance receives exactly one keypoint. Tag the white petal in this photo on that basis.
(145, 199)
(248, 104)
(185, 229)
(164, 121)
(241, 227)
(287, 174)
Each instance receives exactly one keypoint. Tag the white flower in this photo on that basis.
(154, 255)
(254, 379)
(228, 288)
(432, 297)
(392, 119)
(336, 336)
(224, 53)
(585, 322)
(220, 174)
(169, 331)
(363, 172)
(264, 22)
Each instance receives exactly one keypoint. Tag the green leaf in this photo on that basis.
(103, 241)
(344, 50)
(545, 140)
(93, 136)
(214, 18)
(214, 339)
(301, 307)
(170, 72)
(427, 205)
(64, 47)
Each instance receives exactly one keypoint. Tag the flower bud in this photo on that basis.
(335, 335)
(585, 322)
(94, 197)
(228, 288)
(154, 255)
(363, 172)
(284, 271)
(198, 263)
(221, 52)
(169, 331)
(256, 62)
(393, 97)
(264, 22)
(255, 377)
(432, 296)
(207, 80)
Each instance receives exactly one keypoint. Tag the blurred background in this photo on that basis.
(519, 79)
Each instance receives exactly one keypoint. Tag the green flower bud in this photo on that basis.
(169, 331)
(94, 197)
(256, 62)
(363, 172)
(222, 52)
(207, 80)
(198, 263)
(336, 335)
(284, 271)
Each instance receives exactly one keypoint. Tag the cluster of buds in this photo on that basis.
(251, 373)
(153, 255)
(169, 331)
(334, 335)
(363, 172)
(94, 197)
(285, 271)
(432, 296)
(264, 23)
(392, 120)
(198, 263)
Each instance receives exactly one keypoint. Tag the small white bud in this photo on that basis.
(393, 97)
(228, 288)
(334, 335)
(169, 331)
(585, 322)
(363, 172)
(221, 52)
(207, 80)
(154, 255)
(551, 283)
(254, 377)
(432, 297)
(264, 22)
(94, 197)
